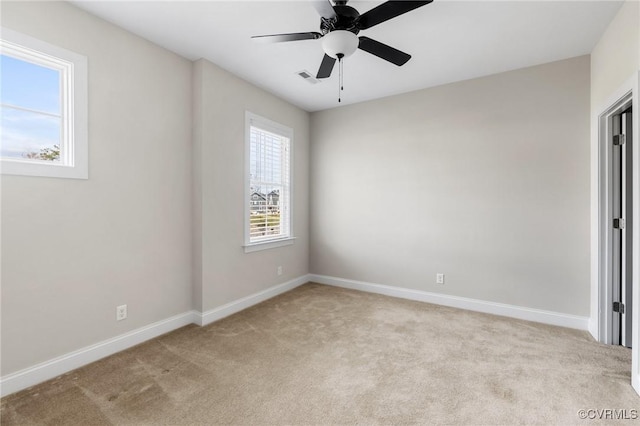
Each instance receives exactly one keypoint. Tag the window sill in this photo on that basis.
(54, 170)
(265, 245)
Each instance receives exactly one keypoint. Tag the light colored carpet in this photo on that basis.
(323, 355)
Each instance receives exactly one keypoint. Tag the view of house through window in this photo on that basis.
(269, 184)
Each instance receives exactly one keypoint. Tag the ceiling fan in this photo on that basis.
(340, 25)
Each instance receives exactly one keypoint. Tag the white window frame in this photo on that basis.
(73, 103)
(254, 120)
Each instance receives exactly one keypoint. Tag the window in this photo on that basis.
(268, 187)
(43, 108)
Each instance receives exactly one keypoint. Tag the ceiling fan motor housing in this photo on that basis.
(346, 18)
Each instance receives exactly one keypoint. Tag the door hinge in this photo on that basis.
(618, 307)
(619, 139)
(618, 223)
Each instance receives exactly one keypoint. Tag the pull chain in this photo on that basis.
(340, 77)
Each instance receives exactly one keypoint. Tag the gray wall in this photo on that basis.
(223, 272)
(484, 180)
(72, 250)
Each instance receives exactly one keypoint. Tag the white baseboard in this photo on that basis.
(55, 367)
(238, 305)
(529, 314)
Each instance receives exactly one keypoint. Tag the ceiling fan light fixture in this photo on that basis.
(340, 42)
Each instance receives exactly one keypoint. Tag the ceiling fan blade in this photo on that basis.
(277, 38)
(383, 51)
(386, 11)
(324, 8)
(326, 67)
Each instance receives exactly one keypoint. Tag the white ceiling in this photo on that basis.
(449, 41)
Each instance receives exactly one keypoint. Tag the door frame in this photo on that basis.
(605, 213)
(601, 217)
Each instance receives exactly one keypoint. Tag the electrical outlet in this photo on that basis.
(439, 278)
(121, 312)
(279, 270)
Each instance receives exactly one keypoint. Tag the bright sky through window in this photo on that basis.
(31, 115)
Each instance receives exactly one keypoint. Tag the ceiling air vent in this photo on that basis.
(308, 76)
